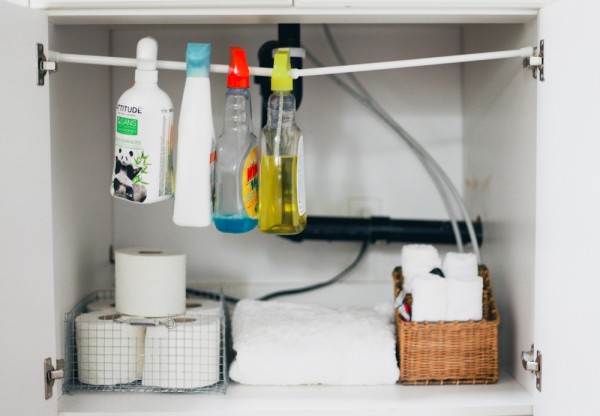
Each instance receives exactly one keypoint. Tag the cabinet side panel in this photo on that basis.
(81, 163)
(568, 224)
(26, 285)
(500, 139)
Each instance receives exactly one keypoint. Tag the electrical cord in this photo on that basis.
(288, 292)
(211, 295)
(423, 155)
(336, 278)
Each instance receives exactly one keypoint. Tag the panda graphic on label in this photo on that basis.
(124, 184)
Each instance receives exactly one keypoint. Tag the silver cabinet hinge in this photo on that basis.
(536, 61)
(532, 361)
(51, 374)
(44, 66)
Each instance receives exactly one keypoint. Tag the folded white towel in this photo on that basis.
(430, 298)
(417, 259)
(462, 266)
(279, 343)
(465, 299)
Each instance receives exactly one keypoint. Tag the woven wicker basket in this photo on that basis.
(449, 352)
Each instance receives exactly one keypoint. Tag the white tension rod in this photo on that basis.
(296, 73)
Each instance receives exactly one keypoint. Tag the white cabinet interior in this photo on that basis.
(472, 117)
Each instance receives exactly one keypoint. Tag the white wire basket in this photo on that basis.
(109, 351)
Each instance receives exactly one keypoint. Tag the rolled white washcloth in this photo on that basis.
(417, 259)
(430, 298)
(461, 266)
(465, 299)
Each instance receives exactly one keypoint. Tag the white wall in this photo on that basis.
(20, 2)
(349, 153)
(81, 139)
(500, 166)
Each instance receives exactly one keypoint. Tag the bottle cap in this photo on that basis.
(197, 59)
(239, 74)
(281, 78)
(147, 51)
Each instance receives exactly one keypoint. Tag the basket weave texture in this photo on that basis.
(449, 352)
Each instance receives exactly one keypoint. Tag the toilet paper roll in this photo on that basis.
(108, 352)
(186, 356)
(101, 305)
(150, 283)
(202, 307)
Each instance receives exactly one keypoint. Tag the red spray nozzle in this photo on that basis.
(239, 74)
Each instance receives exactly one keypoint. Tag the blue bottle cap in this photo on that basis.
(197, 59)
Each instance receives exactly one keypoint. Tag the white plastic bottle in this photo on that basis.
(143, 168)
(196, 143)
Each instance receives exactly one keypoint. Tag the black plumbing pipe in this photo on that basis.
(384, 229)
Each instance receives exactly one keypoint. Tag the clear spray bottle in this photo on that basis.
(236, 165)
(282, 202)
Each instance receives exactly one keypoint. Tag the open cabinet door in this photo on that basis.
(26, 266)
(567, 284)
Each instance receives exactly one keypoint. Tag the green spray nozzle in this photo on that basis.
(197, 59)
(281, 77)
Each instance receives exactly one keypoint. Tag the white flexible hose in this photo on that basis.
(434, 176)
(429, 162)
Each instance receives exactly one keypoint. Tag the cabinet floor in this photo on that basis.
(505, 398)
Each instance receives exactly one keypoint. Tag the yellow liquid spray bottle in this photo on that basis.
(282, 200)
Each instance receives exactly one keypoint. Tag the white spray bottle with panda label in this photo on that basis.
(143, 165)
